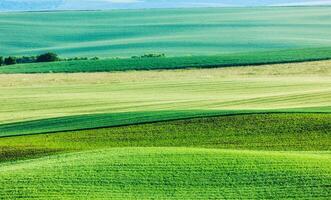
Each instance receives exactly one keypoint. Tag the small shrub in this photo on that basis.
(10, 61)
(153, 55)
(48, 57)
(94, 58)
(26, 59)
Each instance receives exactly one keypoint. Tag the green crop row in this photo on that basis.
(155, 63)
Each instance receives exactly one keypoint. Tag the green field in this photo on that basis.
(175, 32)
(186, 62)
(200, 158)
(223, 133)
(169, 173)
(240, 107)
(268, 132)
(34, 103)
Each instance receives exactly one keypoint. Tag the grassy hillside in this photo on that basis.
(63, 101)
(172, 173)
(175, 32)
(281, 132)
(219, 157)
(226, 60)
(237, 132)
(254, 156)
(92, 121)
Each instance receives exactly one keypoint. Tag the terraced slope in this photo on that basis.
(175, 32)
(78, 101)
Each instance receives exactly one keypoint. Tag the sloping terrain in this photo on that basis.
(34, 103)
(170, 63)
(245, 156)
(169, 173)
(268, 132)
(175, 32)
(121, 137)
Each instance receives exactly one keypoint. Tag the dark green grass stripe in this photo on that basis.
(271, 132)
(91, 121)
(225, 60)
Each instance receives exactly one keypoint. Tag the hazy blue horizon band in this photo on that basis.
(43, 5)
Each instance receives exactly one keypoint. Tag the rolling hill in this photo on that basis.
(175, 32)
(239, 108)
(59, 102)
(244, 132)
(244, 156)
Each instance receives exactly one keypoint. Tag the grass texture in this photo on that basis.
(253, 156)
(268, 132)
(252, 152)
(226, 60)
(90, 121)
(124, 33)
(244, 156)
(54, 102)
(169, 173)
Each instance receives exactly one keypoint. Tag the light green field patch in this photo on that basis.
(172, 173)
(287, 86)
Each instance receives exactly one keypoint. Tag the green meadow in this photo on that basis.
(267, 132)
(244, 156)
(169, 173)
(239, 108)
(236, 132)
(170, 63)
(175, 32)
(35, 103)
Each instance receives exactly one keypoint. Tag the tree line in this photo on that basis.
(46, 57)
(53, 57)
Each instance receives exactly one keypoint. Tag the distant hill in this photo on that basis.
(33, 5)
(174, 32)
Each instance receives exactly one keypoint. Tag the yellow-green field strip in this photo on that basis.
(35, 103)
